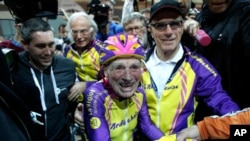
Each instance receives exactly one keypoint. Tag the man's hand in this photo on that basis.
(189, 133)
(191, 26)
(76, 90)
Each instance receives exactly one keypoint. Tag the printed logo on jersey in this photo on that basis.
(95, 122)
(124, 122)
(171, 87)
(201, 61)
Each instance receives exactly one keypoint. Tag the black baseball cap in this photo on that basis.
(165, 4)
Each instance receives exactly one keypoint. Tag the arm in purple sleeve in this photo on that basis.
(209, 88)
(94, 117)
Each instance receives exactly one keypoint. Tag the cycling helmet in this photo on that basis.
(121, 46)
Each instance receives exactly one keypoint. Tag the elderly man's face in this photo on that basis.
(166, 29)
(137, 28)
(81, 32)
(124, 76)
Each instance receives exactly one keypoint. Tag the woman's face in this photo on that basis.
(124, 76)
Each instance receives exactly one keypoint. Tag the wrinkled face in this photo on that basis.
(137, 28)
(218, 6)
(166, 29)
(81, 31)
(41, 49)
(124, 76)
(185, 5)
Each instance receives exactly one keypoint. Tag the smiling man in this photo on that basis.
(175, 77)
(84, 51)
(115, 106)
(51, 75)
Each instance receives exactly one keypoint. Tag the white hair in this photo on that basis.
(92, 24)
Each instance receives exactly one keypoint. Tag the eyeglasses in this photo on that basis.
(136, 28)
(82, 32)
(162, 25)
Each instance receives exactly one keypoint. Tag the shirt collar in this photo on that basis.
(155, 59)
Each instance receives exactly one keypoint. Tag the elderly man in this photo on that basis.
(135, 24)
(84, 50)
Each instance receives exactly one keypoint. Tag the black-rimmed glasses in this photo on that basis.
(162, 25)
(131, 29)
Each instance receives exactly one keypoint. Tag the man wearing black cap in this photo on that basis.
(175, 77)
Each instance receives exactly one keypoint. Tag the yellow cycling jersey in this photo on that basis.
(193, 77)
(166, 111)
(108, 117)
(88, 62)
